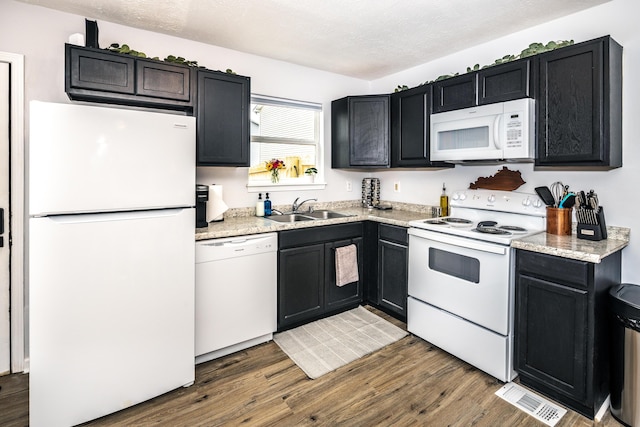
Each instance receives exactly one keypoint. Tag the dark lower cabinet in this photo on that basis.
(393, 267)
(222, 115)
(306, 273)
(337, 297)
(579, 106)
(300, 284)
(98, 75)
(561, 327)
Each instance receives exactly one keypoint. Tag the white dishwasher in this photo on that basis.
(236, 294)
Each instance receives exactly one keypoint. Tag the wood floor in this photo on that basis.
(406, 383)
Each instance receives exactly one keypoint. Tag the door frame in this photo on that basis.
(17, 190)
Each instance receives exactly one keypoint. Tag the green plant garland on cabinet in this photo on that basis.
(533, 49)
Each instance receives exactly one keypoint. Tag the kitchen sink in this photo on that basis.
(326, 215)
(290, 218)
(308, 216)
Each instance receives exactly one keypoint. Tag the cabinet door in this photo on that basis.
(552, 335)
(455, 93)
(300, 284)
(410, 113)
(350, 294)
(161, 80)
(505, 82)
(369, 131)
(222, 119)
(99, 71)
(392, 276)
(579, 106)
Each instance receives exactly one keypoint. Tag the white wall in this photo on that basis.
(40, 34)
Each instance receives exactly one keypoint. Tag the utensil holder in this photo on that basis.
(559, 221)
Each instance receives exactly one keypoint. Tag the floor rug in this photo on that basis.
(324, 345)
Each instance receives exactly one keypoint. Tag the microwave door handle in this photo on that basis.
(496, 132)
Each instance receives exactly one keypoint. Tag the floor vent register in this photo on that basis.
(534, 405)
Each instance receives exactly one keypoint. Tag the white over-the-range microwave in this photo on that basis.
(496, 132)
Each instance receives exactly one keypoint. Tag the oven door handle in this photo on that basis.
(465, 243)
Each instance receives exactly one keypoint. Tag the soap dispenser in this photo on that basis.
(259, 206)
(444, 202)
(267, 205)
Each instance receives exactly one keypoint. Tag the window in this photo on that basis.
(285, 130)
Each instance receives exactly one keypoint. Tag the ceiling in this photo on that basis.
(366, 39)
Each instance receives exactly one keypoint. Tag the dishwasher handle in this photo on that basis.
(218, 249)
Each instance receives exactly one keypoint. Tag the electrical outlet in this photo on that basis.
(349, 187)
(396, 186)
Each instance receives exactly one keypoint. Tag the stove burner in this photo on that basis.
(487, 224)
(513, 228)
(457, 221)
(492, 230)
(436, 222)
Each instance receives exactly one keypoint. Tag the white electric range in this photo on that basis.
(461, 275)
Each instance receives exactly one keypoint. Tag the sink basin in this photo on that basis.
(290, 218)
(307, 216)
(327, 215)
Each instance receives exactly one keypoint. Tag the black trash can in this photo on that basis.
(625, 356)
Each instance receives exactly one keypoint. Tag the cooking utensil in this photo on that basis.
(545, 194)
(557, 191)
(568, 201)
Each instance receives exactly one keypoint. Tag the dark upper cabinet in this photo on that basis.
(222, 115)
(162, 80)
(410, 112)
(100, 76)
(561, 327)
(506, 82)
(498, 83)
(360, 134)
(579, 106)
(455, 93)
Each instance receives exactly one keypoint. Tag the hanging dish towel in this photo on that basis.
(346, 265)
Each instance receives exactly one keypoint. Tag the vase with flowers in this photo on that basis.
(274, 166)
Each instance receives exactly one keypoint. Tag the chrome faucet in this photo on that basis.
(296, 205)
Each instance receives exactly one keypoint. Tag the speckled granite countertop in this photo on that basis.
(240, 222)
(574, 248)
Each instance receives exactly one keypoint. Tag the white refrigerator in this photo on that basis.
(111, 197)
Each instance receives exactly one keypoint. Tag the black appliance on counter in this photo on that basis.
(202, 196)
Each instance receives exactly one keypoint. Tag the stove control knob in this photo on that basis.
(462, 196)
(537, 203)
(455, 196)
(491, 198)
(526, 202)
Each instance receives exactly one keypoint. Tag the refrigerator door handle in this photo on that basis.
(115, 216)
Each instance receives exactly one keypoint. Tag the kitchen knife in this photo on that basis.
(545, 194)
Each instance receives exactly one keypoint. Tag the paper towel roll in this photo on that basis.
(216, 207)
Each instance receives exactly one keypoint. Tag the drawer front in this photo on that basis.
(557, 269)
(393, 233)
(328, 233)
